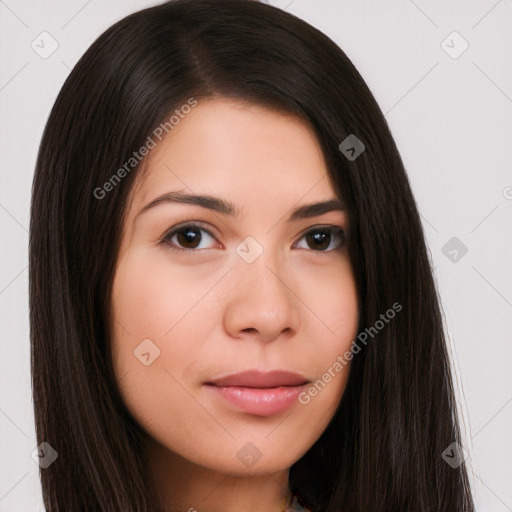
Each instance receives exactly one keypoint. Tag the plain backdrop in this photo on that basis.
(450, 110)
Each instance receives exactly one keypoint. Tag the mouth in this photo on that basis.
(259, 393)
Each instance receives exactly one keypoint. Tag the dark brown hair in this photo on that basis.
(382, 450)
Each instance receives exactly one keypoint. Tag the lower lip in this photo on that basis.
(260, 401)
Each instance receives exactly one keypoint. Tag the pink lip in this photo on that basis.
(260, 393)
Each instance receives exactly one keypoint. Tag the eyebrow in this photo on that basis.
(227, 208)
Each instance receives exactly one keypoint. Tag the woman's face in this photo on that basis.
(218, 327)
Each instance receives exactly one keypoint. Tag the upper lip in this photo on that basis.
(260, 379)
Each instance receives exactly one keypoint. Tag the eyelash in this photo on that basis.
(332, 230)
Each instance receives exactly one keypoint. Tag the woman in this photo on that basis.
(232, 307)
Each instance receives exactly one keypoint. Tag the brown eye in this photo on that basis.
(322, 239)
(187, 237)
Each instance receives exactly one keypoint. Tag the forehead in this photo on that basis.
(223, 145)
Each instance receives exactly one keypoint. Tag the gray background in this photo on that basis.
(451, 118)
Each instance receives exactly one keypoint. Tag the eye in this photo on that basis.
(188, 237)
(324, 239)
(191, 236)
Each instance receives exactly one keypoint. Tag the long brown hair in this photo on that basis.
(382, 450)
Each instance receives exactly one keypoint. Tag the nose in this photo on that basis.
(262, 304)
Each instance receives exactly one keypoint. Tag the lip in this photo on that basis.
(259, 393)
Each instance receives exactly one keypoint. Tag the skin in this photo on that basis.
(210, 312)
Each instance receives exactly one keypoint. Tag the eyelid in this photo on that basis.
(333, 227)
(189, 223)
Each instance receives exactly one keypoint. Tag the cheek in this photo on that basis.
(154, 299)
(333, 300)
(149, 296)
(151, 305)
(331, 295)
(152, 314)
